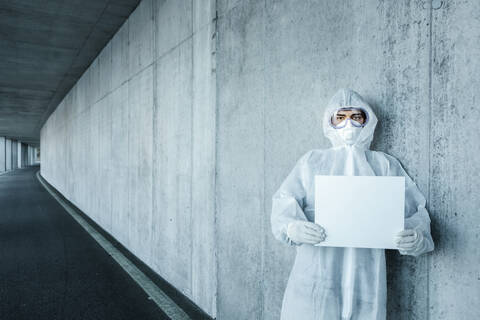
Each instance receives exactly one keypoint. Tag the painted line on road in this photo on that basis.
(168, 306)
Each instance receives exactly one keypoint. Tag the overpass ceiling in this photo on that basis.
(45, 46)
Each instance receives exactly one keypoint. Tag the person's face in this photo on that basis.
(353, 114)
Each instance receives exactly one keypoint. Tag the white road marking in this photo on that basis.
(168, 306)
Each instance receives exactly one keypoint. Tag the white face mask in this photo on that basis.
(348, 133)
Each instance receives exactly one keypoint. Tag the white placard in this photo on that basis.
(360, 211)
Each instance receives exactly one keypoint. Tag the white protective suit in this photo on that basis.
(331, 283)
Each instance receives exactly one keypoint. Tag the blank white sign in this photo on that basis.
(360, 211)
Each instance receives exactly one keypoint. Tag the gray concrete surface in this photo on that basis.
(36, 155)
(454, 277)
(3, 160)
(19, 154)
(278, 63)
(187, 133)
(30, 155)
(22, 156)
(45, 47)
(14, 160)
(23, 159)
(133, 143)
(8, 154)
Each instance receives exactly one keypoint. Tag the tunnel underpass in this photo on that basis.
(142, 143)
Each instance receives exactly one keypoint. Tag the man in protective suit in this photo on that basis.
(341, 283)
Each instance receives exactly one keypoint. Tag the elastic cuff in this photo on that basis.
(414, 251)
(291, 242)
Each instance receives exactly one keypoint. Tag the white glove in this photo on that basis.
(410, 241)
(305, 232)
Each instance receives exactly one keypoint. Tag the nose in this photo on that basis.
(349, 123)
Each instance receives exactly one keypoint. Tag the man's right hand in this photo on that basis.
(305, 232)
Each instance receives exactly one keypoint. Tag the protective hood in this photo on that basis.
(349, 98)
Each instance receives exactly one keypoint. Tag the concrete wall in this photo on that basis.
(8, 154)
(182, 171)
(14, 154)
(278, 63)
(29, 155)
(23, 160)
(19, 154)
(31, 151)
(132, 144)
(2, 154)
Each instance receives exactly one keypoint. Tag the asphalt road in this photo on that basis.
(50, 268)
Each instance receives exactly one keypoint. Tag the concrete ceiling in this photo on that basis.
(45, 46)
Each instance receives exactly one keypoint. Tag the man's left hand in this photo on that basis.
(409, 241)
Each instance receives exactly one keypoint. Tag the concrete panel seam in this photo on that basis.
(191, 147)
(113, 88)
(213, 94)
(182, 42)
(215, 175)
(263, 239)
(158, 58)
(47, 110)
(154, 115)
(430, 92)
(239, 2)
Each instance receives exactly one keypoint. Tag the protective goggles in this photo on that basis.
(358, 117)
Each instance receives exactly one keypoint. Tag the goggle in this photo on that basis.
(358, 117)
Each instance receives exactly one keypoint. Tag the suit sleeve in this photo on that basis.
(288, 202)
(416, 215)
